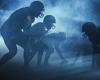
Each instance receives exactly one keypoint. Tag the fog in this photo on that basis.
(69, 14)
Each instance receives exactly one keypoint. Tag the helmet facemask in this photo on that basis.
(41, 14)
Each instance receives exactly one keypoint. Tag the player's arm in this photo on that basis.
(26, 29)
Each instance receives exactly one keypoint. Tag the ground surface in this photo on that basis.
(70, 70)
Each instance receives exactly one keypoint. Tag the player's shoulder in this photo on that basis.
(39, 24)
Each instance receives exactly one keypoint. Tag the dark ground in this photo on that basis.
(66, 72)
(80, 70)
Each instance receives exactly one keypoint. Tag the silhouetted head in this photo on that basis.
(37, 9)
(88, 28)
(49, 21)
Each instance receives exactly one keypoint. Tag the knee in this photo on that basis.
(41, 52)
(49, 53)
(51, 50)
(13, 52)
